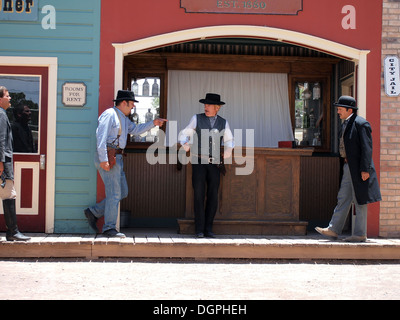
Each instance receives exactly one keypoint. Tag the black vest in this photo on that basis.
(213, 139)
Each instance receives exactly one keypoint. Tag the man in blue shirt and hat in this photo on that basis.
(113, 128)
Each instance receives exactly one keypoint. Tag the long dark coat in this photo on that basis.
(6, 145)
(358, 145)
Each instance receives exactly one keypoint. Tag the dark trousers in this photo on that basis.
(205, 178)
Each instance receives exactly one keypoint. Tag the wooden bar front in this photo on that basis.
(266, 202)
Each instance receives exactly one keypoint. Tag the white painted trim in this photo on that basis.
(296, 38)
(119, 69)
(18, 166)
(52, 64)
(362, 85)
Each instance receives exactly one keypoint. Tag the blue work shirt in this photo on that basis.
(108, 128)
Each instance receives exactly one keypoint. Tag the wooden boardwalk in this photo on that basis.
(142, 243)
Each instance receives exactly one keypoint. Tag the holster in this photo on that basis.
(112, 160)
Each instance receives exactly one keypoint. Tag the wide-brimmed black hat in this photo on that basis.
(212, 98)
(346, 102)
(125, 95)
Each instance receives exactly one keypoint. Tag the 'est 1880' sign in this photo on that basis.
(286, 7)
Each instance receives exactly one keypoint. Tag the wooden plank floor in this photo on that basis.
(151, 243)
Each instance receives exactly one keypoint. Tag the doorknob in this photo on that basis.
(42, 161)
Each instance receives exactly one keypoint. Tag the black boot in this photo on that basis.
(10, 216)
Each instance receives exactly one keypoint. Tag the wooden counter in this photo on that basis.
(265, 202)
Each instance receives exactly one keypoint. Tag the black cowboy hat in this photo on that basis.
(212, 98)
(346, 102)
(125, 95)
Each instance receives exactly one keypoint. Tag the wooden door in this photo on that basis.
(28, 87)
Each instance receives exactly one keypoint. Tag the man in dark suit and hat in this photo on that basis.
(204, 136)
(112, 132)
(359, 183)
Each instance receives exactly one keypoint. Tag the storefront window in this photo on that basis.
(147, 92)
(309, 114)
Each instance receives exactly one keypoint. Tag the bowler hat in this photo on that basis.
(125, 95)
(212, 98)
(346, 102)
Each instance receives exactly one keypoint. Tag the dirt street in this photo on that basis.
(175, 279)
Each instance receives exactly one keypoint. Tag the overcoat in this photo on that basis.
(6, 145)
(358, 145)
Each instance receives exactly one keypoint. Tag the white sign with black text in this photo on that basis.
(392, 76)
(74, 94)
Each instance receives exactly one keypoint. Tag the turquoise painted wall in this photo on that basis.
(75, 41)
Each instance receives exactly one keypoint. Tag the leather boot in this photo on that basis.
(10, 217)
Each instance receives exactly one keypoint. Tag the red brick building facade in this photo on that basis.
(389, 222)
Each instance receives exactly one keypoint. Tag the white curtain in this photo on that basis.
(256, 101)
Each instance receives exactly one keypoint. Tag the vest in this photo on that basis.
(214, 139)
(342, 150)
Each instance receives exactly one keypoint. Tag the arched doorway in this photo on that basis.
(353, 59)
(359, 57)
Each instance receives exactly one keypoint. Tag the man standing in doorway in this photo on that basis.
(209, 129)
(359, 183)
(112, 132)
(7, 190)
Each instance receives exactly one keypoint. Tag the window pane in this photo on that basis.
(147, 92)
(24, 113)
(308, 114)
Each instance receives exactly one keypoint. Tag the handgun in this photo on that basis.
(3, 180)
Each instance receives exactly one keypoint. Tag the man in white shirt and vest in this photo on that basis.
(204, 136)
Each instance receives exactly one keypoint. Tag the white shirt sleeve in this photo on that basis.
(229, 141)
(186, 135)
